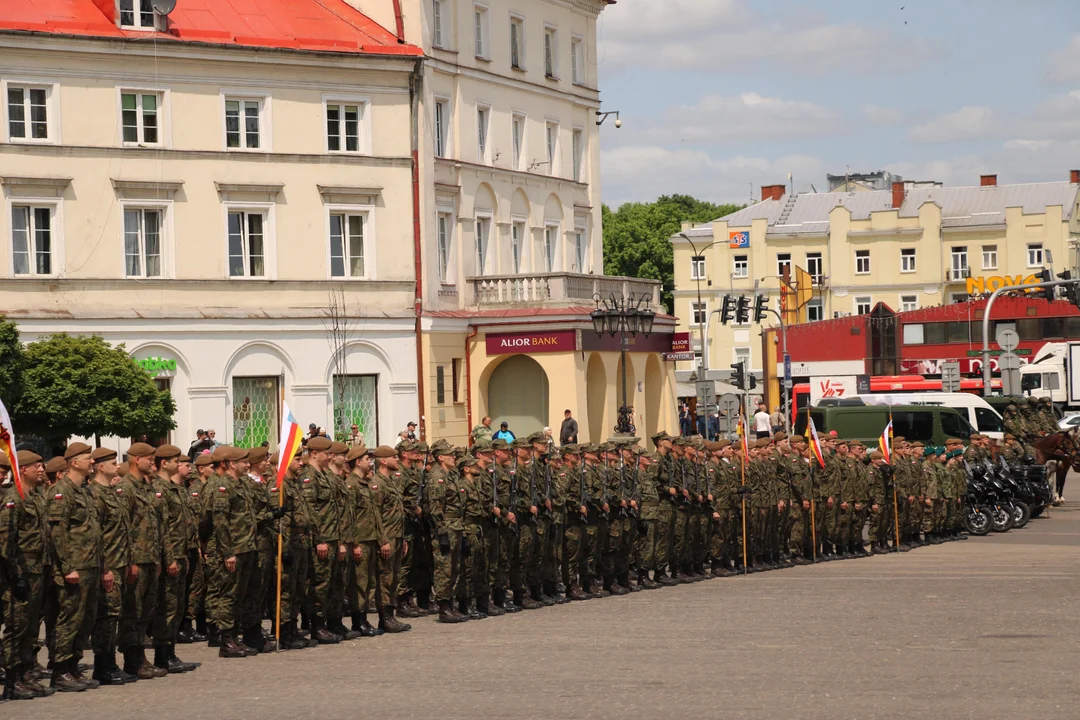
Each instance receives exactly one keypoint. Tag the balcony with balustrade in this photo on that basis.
(554, 290)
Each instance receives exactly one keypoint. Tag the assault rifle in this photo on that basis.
(584, 501)
(513, 493)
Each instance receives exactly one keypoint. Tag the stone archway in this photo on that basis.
(654, 388)
(517, 393)
(596, 387)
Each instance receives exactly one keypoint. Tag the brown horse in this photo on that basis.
(1063, 448)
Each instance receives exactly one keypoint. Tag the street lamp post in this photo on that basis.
(703, 365)
(631, 315)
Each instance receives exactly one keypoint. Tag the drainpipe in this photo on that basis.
(415, 86)
(399, 21)
(468, 381)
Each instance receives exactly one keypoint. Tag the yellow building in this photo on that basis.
(916, 245)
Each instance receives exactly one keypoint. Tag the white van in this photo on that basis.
(978, 412)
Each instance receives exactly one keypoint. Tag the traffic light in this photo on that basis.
(761, 303)
(1070, 292)
(727, 310)
(742, 310)
(737, 378)
(1046, 293)
(753, 381)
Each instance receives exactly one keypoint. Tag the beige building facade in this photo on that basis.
(914, 246)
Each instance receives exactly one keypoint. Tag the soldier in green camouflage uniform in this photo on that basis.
(798, 467)
(648, 495)
(294, 499)
(826, 504)
(445, 506)
(411, 457)
(365, 530)
(506, 524)
(473, 589)
(881, 500)
(327, 536)
(195, 629)
(386, 492)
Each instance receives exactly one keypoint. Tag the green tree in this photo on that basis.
(84, 386)
(12, 361)
(636, 236)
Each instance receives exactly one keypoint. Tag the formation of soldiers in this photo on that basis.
(163, 549)
(1028, 419)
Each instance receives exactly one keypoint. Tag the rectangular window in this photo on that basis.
(551, 246)
(455, 366)
(989, 257)
(814, 267)
(346, 245)
(242, 121)
(581, 250)
(862, 262)
(139, 118)
(551, 48)
(443, 223)
(440, 385)
(913, 334)
(142, 243)
(343, 126)
(517, 43)
(909, 302)
(742, 355)
(783, 264)
(815, 310)
(28, 113)
(697, 267)
(480, 31)
(247, 244)
(907, 260)
(438, 23)
(442, 127)
(31, 240)
(935, 333)
(551, 135)
(483, 233)
(698, 311)
(959, 267)
(958, 332)
(483, 120)
(579, 153)
(741, 267)
(517, 237)
(1035, 255)
(577, 60)
(862, 305)
(517, 129)
(137, 14)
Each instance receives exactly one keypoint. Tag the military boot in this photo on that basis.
(407, 607)
(14, 688)
(76, 671)
(106, 672)
(63, 680)
(228, 647)
(446, 616)
(575, 592)
(485, 604)
(213, 637)
(663, 579)
(177, 662)
(389, 624)
(323, 636)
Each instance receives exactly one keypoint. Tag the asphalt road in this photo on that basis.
(983, 629)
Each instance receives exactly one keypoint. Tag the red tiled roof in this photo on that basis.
(313, 25)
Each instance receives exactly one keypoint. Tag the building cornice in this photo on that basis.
(592, 100)
(261, 158)
(525, 178)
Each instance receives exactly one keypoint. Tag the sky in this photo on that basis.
(719, 97)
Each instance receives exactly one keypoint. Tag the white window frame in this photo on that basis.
(577, 149)
(737, 264)
(266, 128)
(483, 132)
(137, 10)
(990, 251)
(820, 274)
(481, 34)
(818, 305)
(551, 149)
(367, 212)
(906, 306)
(697, 267)
(268, 209)
(552, 251)
(164, 137)
(581, 234)
(781, 263)
(1036, 255)
(859, 256)
(363, 126)
(909, 262)
(551, 52)
(696, 309)
(743, 354)
(56, 239)
(165, 207)
(517, 142)
(445, 213)
(517, 22)
(577, 59)
(441, 131)
(856, 302)
(958, 262)
(52, 111)
(439, 18)
(519, 225)
(482, 256)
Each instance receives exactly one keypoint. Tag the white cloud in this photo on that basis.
(878, 115)
(740, 117)
(967, 123)
(726, 34)
(645, 172)
(1064, 65)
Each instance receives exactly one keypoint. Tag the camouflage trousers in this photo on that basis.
(934, 517)
(22, 622)
(417, 571)
(474, 563)
(263, 578)
(295, 570)
(77, 606)
(665, 522)
(680, 537)
(551, 552)
(389, 572)
(407, 560)
(363, 578)
(140, 601)
(825, 521)
(110, 606)
(324, 573)
(169, 607)
(798, 543)
(644, 557)
(844, 520)
(700, 522)
(524, 563)
(620, 545)
(577, 552)
(881, 523)
(599, 549)
(447, 564)
(495, 544)
(196, 599)
(226, 592)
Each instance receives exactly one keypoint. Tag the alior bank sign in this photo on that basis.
(979, 285)
(546, 341)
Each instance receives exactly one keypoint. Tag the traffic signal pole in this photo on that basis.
(787, 356)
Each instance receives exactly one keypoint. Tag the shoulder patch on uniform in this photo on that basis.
(222, 489)
(10, 505)
(307, 480)
(397, 474)
(376, 487)
(441, 481)
(258, 480)
(273, 489)
(194, 494)
(119, 491)
(60, 496)
(155, 495)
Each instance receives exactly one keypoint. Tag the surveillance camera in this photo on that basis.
(618, 123)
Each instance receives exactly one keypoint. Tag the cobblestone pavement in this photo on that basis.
(987, 628)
